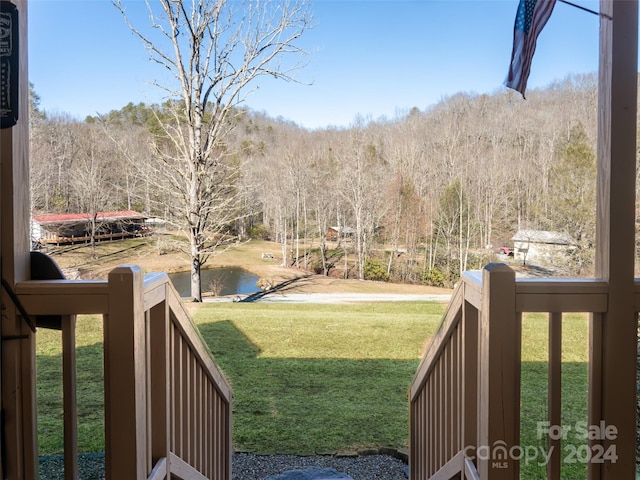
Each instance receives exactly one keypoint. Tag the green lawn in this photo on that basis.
(575, 354)
(90, 390)
(320, 378)
(314, 378)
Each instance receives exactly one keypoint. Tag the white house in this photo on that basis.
(541, 246)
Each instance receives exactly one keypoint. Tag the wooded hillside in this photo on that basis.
(427, 196)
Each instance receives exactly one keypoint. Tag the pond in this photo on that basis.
(219, 281)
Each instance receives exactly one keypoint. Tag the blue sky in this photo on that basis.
(373, 58)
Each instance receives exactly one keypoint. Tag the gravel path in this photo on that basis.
(248, 466)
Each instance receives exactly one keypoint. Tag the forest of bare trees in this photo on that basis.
(427, 196)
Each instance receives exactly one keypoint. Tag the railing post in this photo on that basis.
(124, 376)
(499, 376)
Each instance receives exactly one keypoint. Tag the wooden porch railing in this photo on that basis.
(465, 395)
(167, 405)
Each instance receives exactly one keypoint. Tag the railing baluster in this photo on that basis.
(70, 408)
(179, 448)
(148, 386)
(204, 464)
(517, 390)
(160, 360)
(459, 417)
(431, 447)
(425, 463)
(208, 420)
(204, 420)
(217, 431)
(173, 445)
(193, 420)
(184, 394)
(555, 392)
(223, 452)
(447, 400)
(214, 437)
(470, 375)
(438, 416)
(415, 435)
(454, 412)
(423, 444)
(198, 414)
(596, 326)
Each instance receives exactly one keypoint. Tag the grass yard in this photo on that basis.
(306, 377)
(90, 394)
(311, 378)
(575, 354)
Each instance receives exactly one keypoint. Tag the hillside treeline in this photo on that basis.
(420, 198)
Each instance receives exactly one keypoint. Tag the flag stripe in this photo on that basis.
(531, 17)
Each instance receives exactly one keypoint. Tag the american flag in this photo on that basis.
(531, 18)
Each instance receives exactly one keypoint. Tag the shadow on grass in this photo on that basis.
(305, 405)
(279, 288)
(302, 405)
(299, 405)
(311, 405)
(280, 405)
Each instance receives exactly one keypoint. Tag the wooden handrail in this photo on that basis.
(193, 336)
(449, 321)
(561, 295)
(64, 297)
(159, 471)
(183, 470)
(479, 339)
(148, 335)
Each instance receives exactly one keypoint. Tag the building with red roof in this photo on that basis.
(70, 228)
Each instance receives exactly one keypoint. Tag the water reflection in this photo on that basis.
(219, 281)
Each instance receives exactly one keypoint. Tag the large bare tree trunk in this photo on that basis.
(218, 48)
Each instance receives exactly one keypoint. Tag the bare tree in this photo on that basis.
(92, 179)
(323, 198)
(362, 172)
(54, 147)
(216, 51)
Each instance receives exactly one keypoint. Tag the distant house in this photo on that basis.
(541, 246)
(336, 233)
(69, 228)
